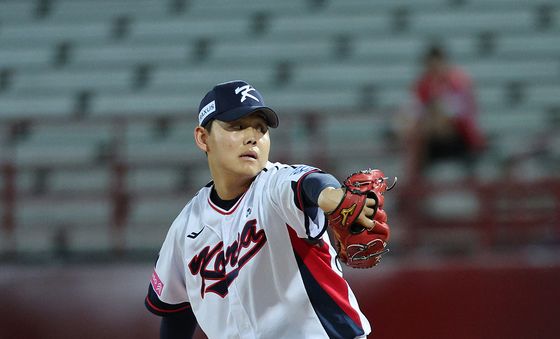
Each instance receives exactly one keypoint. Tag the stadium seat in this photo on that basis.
(200, 79)
(141, 104)
(48, 34)
(181, 29)
(343, 75)
(80, 11)
(35, 106)
(124, 55)
(329, 25)
(271, 51)
(70, 80)
(455, 23)
(498, 70)
(533, 45)
(224, 8)
(360, 6)
(41, 220)
(336, 68)
(17, 12)
(26, 57)
(94, 181)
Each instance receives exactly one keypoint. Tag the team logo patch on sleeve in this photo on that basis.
(157, 285)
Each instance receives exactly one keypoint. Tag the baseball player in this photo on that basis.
(249, 255)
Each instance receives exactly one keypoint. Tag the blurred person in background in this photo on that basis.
(441, 120)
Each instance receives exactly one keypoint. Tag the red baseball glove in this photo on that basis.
(357, 245)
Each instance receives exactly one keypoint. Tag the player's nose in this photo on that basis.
(251, 136)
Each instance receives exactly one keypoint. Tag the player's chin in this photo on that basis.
(251, 168)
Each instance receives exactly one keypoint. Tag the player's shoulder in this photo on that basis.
(287, 169)
(276, 172)
(200, 198)
(197, 202)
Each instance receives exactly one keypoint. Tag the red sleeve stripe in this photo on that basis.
(157, 309)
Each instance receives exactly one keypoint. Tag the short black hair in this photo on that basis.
(435, 52)
(208, 126)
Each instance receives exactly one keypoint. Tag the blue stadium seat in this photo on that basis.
(344, 75)
(35, 106)
(196, 80)
(536, 46)
(87, 11)
(51, 156)
(70, 80)
(48, 34)
(40, 220)
(224, 8)
(181, 29)
(297, 27)
(125, 54)
(141, 104)
(26, 57)
(16, 12)
(269, 52)
(458, 22)
(94, 181)
(499, 70)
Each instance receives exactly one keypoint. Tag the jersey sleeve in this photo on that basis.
(286, 193)
(167, 293)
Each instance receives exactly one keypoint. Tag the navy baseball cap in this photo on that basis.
(232, 100)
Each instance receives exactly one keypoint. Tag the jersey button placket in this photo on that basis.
(240, 316)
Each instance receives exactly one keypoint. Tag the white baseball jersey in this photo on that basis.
(262, 269)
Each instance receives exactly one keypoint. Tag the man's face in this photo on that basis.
(239, 148)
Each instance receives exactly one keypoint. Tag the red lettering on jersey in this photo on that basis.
(234, 256)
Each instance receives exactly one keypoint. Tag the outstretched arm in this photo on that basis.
(330, 198)
(357, 218)
(323, 190)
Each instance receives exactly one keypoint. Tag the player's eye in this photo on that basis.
(263, 129)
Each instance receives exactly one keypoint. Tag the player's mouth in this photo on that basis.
(251, 155)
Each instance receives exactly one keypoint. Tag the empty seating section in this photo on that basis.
(17, 11)
(127, 54)
(330, 25)
(199, 79)
(31, 58)
(270, 52)
(145, 104)
(503, 71)
(529, 45)
(39, 33)
(70, 81)
(109, 83)
(456, 22)
(41, 105)
(341, 75)
(80, 11)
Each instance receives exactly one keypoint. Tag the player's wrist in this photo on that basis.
(329, 198)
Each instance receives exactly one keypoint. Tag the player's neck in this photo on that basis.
(230, 189)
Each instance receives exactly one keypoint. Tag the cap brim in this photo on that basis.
(270, 116)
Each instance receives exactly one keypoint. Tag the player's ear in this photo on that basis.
(201, 138)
